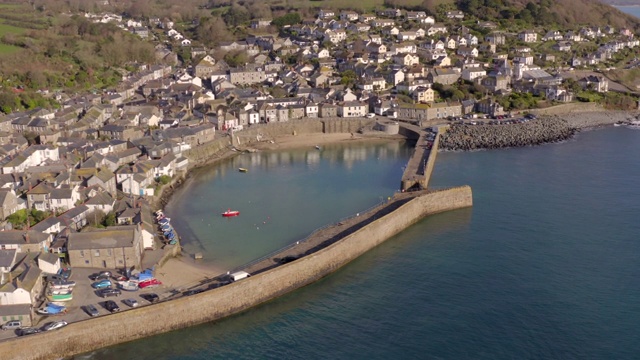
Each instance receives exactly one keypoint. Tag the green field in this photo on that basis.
(9, 29)
(8, 49)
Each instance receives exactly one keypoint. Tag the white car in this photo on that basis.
(370, 115)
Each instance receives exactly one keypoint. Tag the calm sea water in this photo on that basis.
(544, 266)
(631, 10)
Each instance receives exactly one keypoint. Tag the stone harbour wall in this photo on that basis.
(265, 132)
(218, 303)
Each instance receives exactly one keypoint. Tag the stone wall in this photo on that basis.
(230, 299)
(567, 108)
(265, 132)
(431, 161)
(199, 155)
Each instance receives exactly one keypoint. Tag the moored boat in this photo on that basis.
(52, 309)
(60, 297)
(230, 213)
(128, 285)
(62, 284)
(243, 169)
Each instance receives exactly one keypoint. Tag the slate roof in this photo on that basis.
(113, 237)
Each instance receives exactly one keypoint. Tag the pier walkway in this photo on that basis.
(419, 167)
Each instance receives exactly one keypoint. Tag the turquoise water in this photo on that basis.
(544, 266)
(282, 198)
(631, 10)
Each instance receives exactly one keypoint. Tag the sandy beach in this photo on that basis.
(308, 140)
(183, 272)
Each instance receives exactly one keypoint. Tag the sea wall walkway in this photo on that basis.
(419, 167)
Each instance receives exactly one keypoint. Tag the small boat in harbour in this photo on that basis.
(230, 213)
(60, 297)
(318, 147)
(243, 169)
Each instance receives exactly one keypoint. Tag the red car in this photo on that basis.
(149, 283)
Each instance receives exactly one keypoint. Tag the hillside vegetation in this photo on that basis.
(550, 13)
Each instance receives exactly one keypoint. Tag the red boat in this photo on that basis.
(149, 283)
(230, 213)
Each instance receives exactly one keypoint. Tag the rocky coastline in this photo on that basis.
(472, 137)
(546, 129)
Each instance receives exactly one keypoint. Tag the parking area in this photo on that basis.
(84, 294)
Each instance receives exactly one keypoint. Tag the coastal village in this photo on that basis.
(79, 184)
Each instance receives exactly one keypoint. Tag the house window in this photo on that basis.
(81, 253)
(86, 262)
(120, 261)
(97, 253)
(109, 252)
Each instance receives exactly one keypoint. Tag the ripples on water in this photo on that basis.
(544, 266)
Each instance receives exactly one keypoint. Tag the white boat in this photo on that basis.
(62, 284)
(52, 309)
(128, 285)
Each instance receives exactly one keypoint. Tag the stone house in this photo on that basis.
(595, 82)
(118, 247)
(496, 82)
(528, 36)
(328, 110)
(352, 109)
(443, 76)
(429, 111)
(8, 203)
(423, 94)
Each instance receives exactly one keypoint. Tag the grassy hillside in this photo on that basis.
(550, 13)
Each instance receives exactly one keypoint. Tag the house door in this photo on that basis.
(104, 264)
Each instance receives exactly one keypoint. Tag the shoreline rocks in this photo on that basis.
(535, 132)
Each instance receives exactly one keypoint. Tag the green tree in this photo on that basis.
(288, 19)
(109, 219)
(163, 179)
(236, 15)
(348, 77)
(236, 58)
(18, 219)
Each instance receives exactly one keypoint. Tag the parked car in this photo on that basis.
(54, 325)
(149, 283)
(102, 284)
(370, 115)
(102, 275)
(91, 310)
(150, 297)
(120, 278)
(27, 331)
(131, 302)
(192, 292)
(111, 306)
(12, 325)
(65, 273)
(109, 292)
